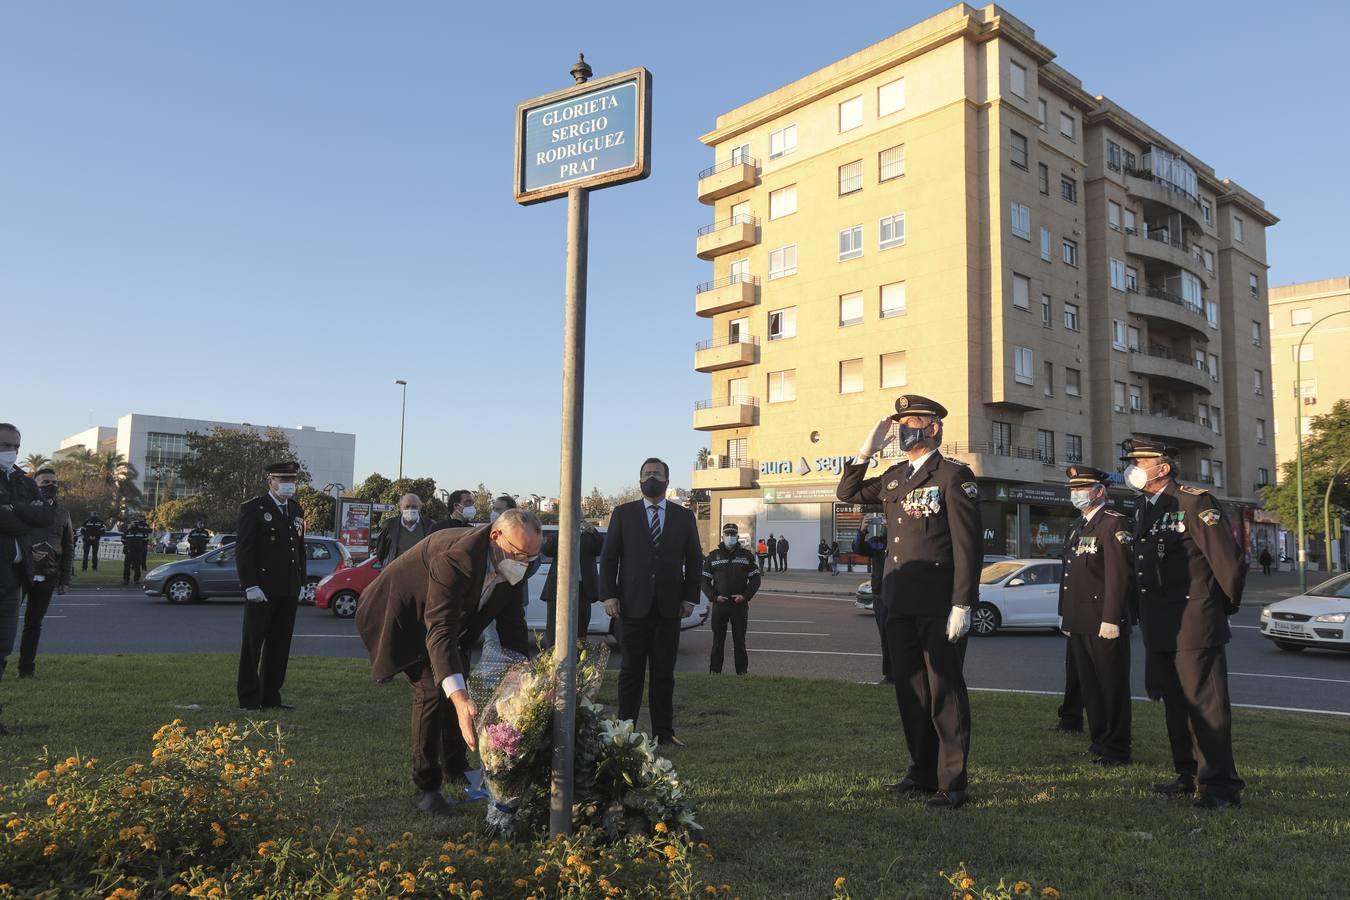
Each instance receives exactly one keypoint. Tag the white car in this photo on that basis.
(862, 598)
(1319, 618)
(1017, 593)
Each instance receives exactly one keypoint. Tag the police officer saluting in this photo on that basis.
(929, 583)
(1093, 605)
(197, 539)
(270, 559)
(730, 579)
(1190, 573)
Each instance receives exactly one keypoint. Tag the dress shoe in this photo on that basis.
(946, 800)
(670, 739)
(908, 785)
(432, 802)
(1182, 786)
(1210, 801)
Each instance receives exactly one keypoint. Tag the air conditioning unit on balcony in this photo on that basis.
(1309, 401)
(714, 461)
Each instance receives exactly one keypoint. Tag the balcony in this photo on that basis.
(724, 179)
(1160, 363)
(726, 294)
(727, 236)
(1172, 313)
(1171, 185)
(726, 353)
(1008, 462)
(738, 412)
(1173, 251)
(1172, 425)
(724, 473)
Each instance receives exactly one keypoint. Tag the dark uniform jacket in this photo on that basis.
(18, 517)
(136, 538)
(592, 542)
(53, 549)
(1189, 570)
(1095, 587)
(92, 529)
(270, 547)
(935, 553)
(643, 577)
(197, 539)
(727, 573)
(424, 608)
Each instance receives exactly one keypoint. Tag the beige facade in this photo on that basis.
(1294, 308)
(949, 213)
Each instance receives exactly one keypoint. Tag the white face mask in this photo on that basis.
(285, 489)
(1080, 499)
(7, 459)
(411, 516)
(513, 570)
(1137, 478)
(467, 513)
(494, 515)
(730, 541)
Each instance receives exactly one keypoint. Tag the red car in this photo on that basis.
(341, 590)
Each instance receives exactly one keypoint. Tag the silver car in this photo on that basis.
(213, 574)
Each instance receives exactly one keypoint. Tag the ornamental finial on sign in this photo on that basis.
(581, 71)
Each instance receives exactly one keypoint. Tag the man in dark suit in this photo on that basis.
(1093, 607)
(930, 582)
(650, 570)
(422, 617)
(91, 532)
(23, 511)
(590, 545)
(1190, 573)
(270, 559)
(461, 511)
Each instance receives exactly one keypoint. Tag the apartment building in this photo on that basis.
(949, 213)
(1306, 381)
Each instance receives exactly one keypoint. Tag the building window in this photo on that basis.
(1301, 352)
(1136, 398)
(783, 386)
(1068, 189)
(1045, 243)
(1113, 215)
(890, 231)
(738, 390)
(850, 243)
(1022, 365)
(1258, 382)
(783, 262)
(1021, 291)
(1113, 156)
(1041, 113)
(1066, 125)
(893, 299)
(1209, 261)
(1206, 473)
(1213, 367)
(1118, 339)
(783, 324)
(1216, 419)
(1118, 274)
(1237, 229)
(891, 163)
(1070, 253)
(1132, 279)
(850, 114)
(1262, 477)
(1071, 316)
(1130, 222)
(1000, 435)
(1207, 211)
(1211, 309)
(1045, 310)
(739, 270)
(1021, 221)
(1045, 446)
(1073, 448)
(740, 154)
(783, 202)
(1218, 473)
(1132, 338)
(1118, 396)
(738, 331)
(1203, 411)
(851, 376)
(850, 177)
(893, 370)
(1300, 317)
(1017, 83)
(1073, 382)
(1049, 373)
(783, 141)
(1043, 178)
(1256, 334)
(1254, 285)
(891, 97)
(1260, 431)
(851, 309)
(1018, 145)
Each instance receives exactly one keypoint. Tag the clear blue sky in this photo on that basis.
(267, 212)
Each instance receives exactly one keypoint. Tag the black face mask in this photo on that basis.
(47, 491)
(653, 487)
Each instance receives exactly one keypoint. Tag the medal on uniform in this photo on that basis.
(923, 502)
(267, 517)
(893, 485)
(1085, 545)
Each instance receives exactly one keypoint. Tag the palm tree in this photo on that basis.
(34, 461)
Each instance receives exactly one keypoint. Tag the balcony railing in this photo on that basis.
(1167, 413)
(1160, 294)
(1144, 171)
(994, 448)
(719, 404)
(715, 343)
(1163, 236)
(728, 281)
(728, 164)
(738, 219)
(724, 462)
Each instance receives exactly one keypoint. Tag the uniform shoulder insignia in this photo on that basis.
(1124, 537)
(1193, 491)
(971, 489)
(1209, 516)
(1112, 512)
(957, 462)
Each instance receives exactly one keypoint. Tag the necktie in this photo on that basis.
(656, 526)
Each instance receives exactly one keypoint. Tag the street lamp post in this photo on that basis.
(1298, 437)
(403, 418)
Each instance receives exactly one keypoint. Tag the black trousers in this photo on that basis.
(1194, 687)
(36, 603)
(265, 651)
(876, 564)
(88, 547)
(583, 617)
(133, 564)
(11, 592)
(738, 615)
(930, 689)
(782, 560)
(438, 749)
(649, 641)
(1104, 672)
(1071, 710)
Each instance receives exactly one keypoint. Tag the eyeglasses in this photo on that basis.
(518, 554)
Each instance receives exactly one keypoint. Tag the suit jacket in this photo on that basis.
(1189, 570)
(18, 518)
(646, 578)
(935, 555)
(424, 607)
(589, 552)
(1095, 587)
(395, 539)
(270, 547)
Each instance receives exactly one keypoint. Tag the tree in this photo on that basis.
(96, 482)
(228, 466)
(319, 507)
(627, 495)
(378, 489)
(702, 457)
(482, 503)
(595, 506)
(175, 515)
(1326, 446)
(34, 461)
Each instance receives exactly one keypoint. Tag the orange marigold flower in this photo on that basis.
(662, 828)
(52, 799)
(50, 850)
(839, 883)
(1048, 891)
(407, 835)
(671, 852)
(386, 866)
(1021, 887)
(128, 791)
(146, 787)
(41, 777)
(967, 882)
(521, 882)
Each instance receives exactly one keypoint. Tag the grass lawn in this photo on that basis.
(110, 570)
(788, 776)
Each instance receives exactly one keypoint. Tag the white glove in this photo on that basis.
(958, 623)
(1108, 631)
(876, 440)
(255, 595)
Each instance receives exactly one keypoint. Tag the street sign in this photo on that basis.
(588, 136)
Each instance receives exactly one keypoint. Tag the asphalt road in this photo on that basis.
(816, 635)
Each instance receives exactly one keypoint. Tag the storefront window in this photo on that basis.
(1049, 525)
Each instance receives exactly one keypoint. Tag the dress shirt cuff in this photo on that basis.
(37, 578)
(452, 683)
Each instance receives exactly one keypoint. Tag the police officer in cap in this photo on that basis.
(730, 579)
(91, 532)
(929, 584)
(198, 538)
(1190, 574)
(135, 547)
(270, 559)
(1093, 606)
